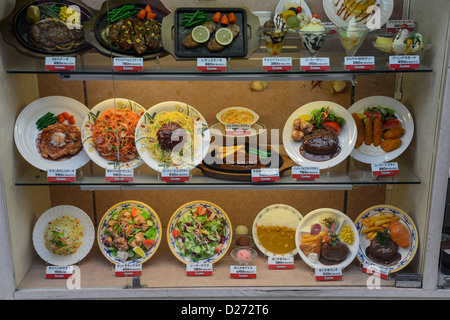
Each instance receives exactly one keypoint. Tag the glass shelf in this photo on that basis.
(95, 66)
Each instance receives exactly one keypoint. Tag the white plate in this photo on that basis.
(88, 127)
(331, 9)
(347, 137)
(305, 9)
(406, 253)
(142, 142)
(52, 214)
(216, 128)
(26, 133)
(263, 212)
(316, 216)
(372, 154)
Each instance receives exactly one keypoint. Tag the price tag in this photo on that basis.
(119, 175)
(58, 272)
(59, 63)
(242, 272)
(128, 64)
(405, 62)
(211, 64)
(199, 269)
(278, 262)
(385, 169)
(359, 63)
(61, 175)
(328, 274)
(238, 129)
(128, 269)
(315, 64)
(377, 270)
(277, 63)
(174, 175)
(265, 175)
(394, 26)
(305, 173)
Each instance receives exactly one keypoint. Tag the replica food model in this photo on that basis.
(378, 127)
(360, 10)
(274, 34)
(131, 28)
(313, 35)
(319, 134)
(352, 37)
(293, 15)
(64, 236)
(404, 42)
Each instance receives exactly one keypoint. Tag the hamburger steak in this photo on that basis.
(52, 34)
(334, 254)
(385, 254)
(59, 141)
(321, 141)
(169, 135)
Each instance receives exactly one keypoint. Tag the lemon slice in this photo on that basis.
(139, 252)
(224, 36)
(200, 34)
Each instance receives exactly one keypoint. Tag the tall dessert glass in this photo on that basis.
(274, 38)
(352, 38)
(313, 35)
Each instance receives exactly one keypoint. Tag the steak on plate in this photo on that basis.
(321, 141)
(59, 141)
(51, 34)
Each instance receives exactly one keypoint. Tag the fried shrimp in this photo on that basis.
(359, 129)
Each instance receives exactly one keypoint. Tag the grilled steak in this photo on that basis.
(51, 34)
(190, 43)
(59, 141)
(214, 46)
(321, 141)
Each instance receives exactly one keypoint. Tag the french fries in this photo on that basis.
(309, 238)
(377, 223)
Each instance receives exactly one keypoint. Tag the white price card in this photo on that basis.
(305, 173)
(242, 272)
(59, 63)
(128, 269)
(394, 26)
(328, 274)
(128, 64)
(385, 169)
(277, 63)
(315, 64)
(199, 269)
(359, 63)
(265, 175)
(211, 64)
(61, 175)
(281, 262)
(119, 175)
(238, 129)
(174, 175)
(405, 62)
(375, 269)
(58, 272)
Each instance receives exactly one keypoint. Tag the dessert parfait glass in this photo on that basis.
(313, 40)
(352, 38)
(274, 38)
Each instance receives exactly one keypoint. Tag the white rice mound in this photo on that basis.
(279, 217)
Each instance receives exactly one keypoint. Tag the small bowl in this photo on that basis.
(263, 16)
(243, 241)
(238, 259)
(226, 110)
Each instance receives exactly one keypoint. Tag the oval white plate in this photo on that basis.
(386, 8)
(104, 223)
(52, 214)
(406, 253)
(142, 141)
(26, 133)
(88, 126)
(347, 137)
(255, 227)
(316, 216)
(372, 154)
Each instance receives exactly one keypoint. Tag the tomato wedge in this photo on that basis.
(391, 123)
(176, 233)
(148, 243)
(332, 126)
(201, 210)
(134, 212)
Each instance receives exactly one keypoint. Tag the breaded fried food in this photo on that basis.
(394, 133)
(377, 132)
(390, 144)
(359, 129)
(369, 131)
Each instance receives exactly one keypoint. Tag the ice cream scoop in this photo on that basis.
(314, 25)
(399, 43)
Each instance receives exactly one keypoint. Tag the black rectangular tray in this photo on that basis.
(237, 48)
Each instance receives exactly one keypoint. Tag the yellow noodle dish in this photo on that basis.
(63, 236)
(237, 115)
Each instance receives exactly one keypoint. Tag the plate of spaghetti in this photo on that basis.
(108, 133)
(172, 134)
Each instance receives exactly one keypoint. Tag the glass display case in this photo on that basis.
(407, 184)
